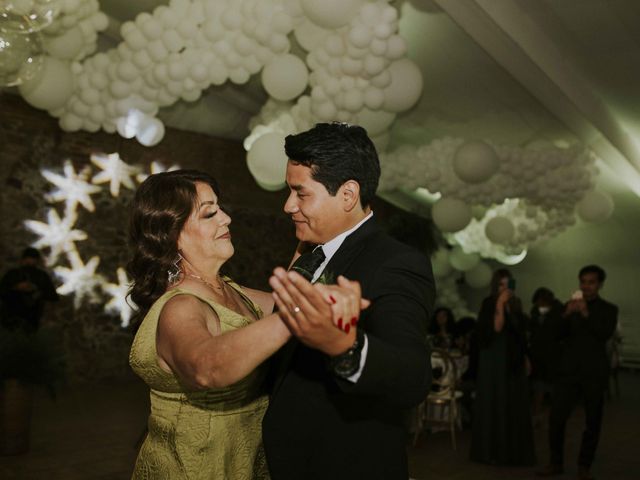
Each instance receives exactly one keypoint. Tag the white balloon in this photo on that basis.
(325, 111)
(66, 46)
(374, 122)
(152, 29)
(475, 162)
(463, 261)
(285, 77)
(405, 87)
(330, 13)
(373, 98)
(309, 35)
(478, 276)
(20, 56)
(151, 132)
(440, 263)
(451, 214)
(267, 160)
(51, 87)
(373, 64)
(239, 75)
(70, 123)
(595, 206)
(360, 36)
(500, 230)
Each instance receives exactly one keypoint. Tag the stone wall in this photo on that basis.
(96, 344)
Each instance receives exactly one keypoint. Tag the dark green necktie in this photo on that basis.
(307, 263)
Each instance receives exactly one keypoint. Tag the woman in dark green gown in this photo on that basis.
(501, 432)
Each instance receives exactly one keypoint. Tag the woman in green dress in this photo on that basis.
(203, 339)
(501, 431)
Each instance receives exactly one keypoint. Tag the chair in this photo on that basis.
(440, 408)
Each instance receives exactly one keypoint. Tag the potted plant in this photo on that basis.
(27, 360)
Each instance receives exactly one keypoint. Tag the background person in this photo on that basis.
(588, 323)
(24, 292)
(501, 429)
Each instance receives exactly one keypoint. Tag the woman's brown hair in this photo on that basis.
(158, 212)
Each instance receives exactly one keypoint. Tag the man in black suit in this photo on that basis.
(583, 370)
(338, 409)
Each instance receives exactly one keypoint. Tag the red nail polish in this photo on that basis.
(340, 323)
(354, 321)
(347, 327)
(333, 300)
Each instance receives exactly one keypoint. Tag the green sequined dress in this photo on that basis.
(210, 434)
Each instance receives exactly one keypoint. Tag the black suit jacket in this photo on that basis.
(321, 427)
(584, 358)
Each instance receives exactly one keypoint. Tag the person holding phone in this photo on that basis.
(502, 433)
(588, 323)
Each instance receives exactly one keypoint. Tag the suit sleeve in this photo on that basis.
(603, 326)
(398, 366)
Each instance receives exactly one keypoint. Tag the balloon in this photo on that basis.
(478, 276)
(27, 16)
(150, 132)
(374, 122)
(330, 13)
(440, 263)
(499, 230)
(285, 77)
(360, 36)
(66, 46)
(463, 261)
(405, 87)
(20, 57)
(451, 214)
(267, 160)
(309, 35)
(475, 162)
(373, 98)
(595, 206)
(51, 87)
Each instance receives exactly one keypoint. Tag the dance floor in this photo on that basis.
(91, 432)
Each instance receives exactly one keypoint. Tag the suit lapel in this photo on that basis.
(350, 248)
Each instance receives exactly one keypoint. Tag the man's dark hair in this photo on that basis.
(594, 269)
(336, 153)
(31, 252)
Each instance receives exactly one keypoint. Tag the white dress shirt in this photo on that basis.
(329, 249)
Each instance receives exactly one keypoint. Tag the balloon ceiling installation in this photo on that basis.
(355, 70)
(496, 201)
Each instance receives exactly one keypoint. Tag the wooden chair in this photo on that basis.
(440, 408)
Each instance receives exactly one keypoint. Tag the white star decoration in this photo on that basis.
(114, 171)
(118, 293)
(73, 188)
(80, 279)
(156, 167)
(57, 234)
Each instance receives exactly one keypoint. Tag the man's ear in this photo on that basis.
(350, 192)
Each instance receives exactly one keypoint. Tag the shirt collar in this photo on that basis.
(332, 246)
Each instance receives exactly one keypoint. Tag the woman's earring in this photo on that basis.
(175, 272)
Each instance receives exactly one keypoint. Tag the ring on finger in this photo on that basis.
(296, 309)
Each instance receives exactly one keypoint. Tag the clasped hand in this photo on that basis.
(323, 317)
